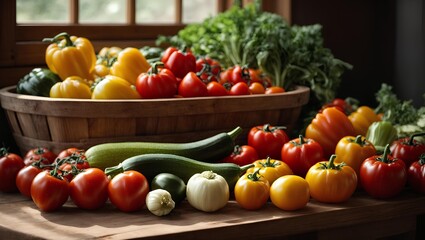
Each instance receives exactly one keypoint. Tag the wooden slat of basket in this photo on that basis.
(111, 127)
(13, 122)
(33, 126)
(68, 129)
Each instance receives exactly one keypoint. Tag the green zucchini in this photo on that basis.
(210, 149)
(150, 165)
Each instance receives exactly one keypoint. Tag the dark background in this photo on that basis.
(382, 39)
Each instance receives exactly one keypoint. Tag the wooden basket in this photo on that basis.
(62, 123)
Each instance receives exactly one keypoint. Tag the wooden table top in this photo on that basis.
(21, 219)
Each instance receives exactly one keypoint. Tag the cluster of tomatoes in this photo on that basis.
(180, 74)
(50, 180)
(289, 172)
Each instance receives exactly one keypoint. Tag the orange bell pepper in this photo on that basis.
(328, 127)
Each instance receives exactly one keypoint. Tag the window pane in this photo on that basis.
(157, 11)
(198, 10)
(102, 11)
(42, 11)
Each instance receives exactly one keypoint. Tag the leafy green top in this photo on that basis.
(246, 36)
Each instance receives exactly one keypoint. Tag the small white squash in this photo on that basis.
(207, 191)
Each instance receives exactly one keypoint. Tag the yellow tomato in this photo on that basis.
(353, 151)
(290, 192)
(331, 183)
(113, 87)
(252, 191)
(271, 169)
(71, 87)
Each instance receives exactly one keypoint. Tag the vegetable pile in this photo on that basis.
(346, 147)
(240, 51)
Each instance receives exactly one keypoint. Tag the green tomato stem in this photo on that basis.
(422, 159)
(302, 140)
(359, 140)
(331, 164)
(411, 142)
(384, 156)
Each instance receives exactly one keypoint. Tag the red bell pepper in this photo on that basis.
(408, 149)
(179, 62)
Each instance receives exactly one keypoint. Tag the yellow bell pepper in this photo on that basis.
(71, 87)
(113, 87)
(130, 64)
(70, 56)
(362, 118)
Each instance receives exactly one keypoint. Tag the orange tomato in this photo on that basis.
(252, 191)
(256, 88)
(274, 89)
(330, 182)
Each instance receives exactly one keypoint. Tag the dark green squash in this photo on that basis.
(37, 82)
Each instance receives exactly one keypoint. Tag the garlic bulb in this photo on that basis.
(159, 202)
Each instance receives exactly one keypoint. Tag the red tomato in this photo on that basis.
(340, 104)
(156, 83)
(301, 154)
(242, 155)
(179, 62)
(89, 189)
(192, 86)
(25, 177)
(214, 64)
(408, 149)
(71, 161)
(416, 175)
(383, 176)
(49, 192)
(127, 191)
(216, 89)
(267, 140)
(36, 154)
(10, 165)
(240, 88)
(274, 89)
(238, 74)
(69, 151)
(208, 69)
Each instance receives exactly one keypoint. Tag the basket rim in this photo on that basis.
(95, 108)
